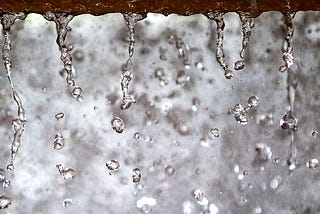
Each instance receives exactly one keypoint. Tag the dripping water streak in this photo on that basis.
(127, 70)
(218, 18)
(62, 20)
(247, 25)
(18, 124)
(292, 81)
(287, 46)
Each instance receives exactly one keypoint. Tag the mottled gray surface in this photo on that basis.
(171, 133)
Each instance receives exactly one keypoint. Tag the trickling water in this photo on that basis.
(62, 20)
(127, 69)
(247, 25)
(7, 20)
(218, 18)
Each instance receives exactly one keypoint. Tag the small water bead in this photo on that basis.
(315, 134)
(59, 115)
(68, 174)
(263, 152)
(292, 164)
(117, 124)
(2, 175)
(169, 170)
(10, 167)
(136, 136)
(200, 197)
(76, 92)
(214, 132)
(239, 65)
(113, 165)
(161, 76)
(6, 184)
(313, 163)
(182, 78)
(136, 175)
(58, 142)
(67, 202)
(288, 121)
(253, 101)
(5, 202)
(228, 74)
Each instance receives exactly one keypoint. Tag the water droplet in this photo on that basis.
(113, 165)
(2, 175)
(136, 175)
(313, 163)
(288, 121)
(228, 74)
(59, 115)
(170, 170)
(117, 124)
(274, 183)
(239, 65)
(200, 197)
(161, 76)
(10, 167)
(314, 134)
(214, 132)
(253, 101)
(5, 202)
(67, 173)
(67, 202)
(76, 92)
(182, 78)
(136, 136)
(6, 184)
(58, 142)
(145, 203)
(263, 152)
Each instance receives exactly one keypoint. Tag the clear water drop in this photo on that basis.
(200, 197)
(239, 65)
(263, 152)
(182, 78)
(67, 174)
(169, 170)
(59, 115)
(136, 136)
(136, 175)
(253, 101)
(5, 202)
(77, 92)
(113, 165)
(6, 184)
(288, 121)
(58, 142)
(314, 134)
(117, 124)
(215, 132)
(313, 163)
(67, 202)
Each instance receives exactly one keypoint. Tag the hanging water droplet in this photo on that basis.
(67, 202)
(240, 114)
(113, 165)
(10, 167)
(288, 121)
(214, 132)
(6, 184)
(315, 134)
(313, 163)
(117, 124)
(200, 197)
(59, 115)
(136, 175)
(239, 65)
(247, 25)
(58, 142)
(253, 101)
(228, 74)
(263, 152)
(5, 202)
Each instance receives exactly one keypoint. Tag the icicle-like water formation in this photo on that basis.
(62, 20)
(289, 121)
(127, 69)
(7, 20)
(247, 25)
(218, 18)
